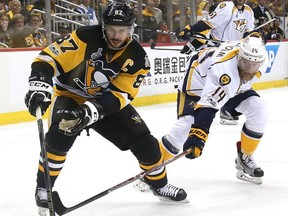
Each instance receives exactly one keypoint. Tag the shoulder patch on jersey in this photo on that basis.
(53, 49)
(224, 80)
(222, 5)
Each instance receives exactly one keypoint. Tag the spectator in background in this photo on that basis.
(4, 30)
(275, 32)
(3, 7)
(162, 5)
(102, 6)
(64, 31)
(176, 19)
(157, 11)
(21, 35)
(80, 10)
(276, 7)
(265, 29)
(40, 5)
(149, 22)
(203, 9)
(86, 9)
(14, 8)
(39, 36)
(259, 12)
(165, 37)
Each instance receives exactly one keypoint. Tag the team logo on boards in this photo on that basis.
(272, 52)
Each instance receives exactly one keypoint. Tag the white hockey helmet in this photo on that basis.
(251, 55)
(252, 49)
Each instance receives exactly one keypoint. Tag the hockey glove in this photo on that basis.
(185, 33)
(196, 141)
(39, 94)
(74, 121)
(187, 49)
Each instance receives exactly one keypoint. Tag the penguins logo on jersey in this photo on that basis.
(240, 24)
(225, 80)
(97, 78)
(136, 118)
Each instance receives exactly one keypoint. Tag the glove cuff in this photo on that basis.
(39, 86)
(92, 112)
(199, 132)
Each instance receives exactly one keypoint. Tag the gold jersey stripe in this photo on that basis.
(51, 173)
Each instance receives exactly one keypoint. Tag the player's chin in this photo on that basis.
(117, 44)
(247, 77)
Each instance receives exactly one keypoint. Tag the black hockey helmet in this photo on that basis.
(120, 14)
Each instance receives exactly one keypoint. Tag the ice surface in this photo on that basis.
(94, 165)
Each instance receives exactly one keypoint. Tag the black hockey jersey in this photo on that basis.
(84, 68)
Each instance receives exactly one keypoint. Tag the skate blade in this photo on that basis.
(228, 122)
(42, 211)
(164, 199)
(245, 177)
(141, 186)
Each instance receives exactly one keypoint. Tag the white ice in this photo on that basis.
(94, 165)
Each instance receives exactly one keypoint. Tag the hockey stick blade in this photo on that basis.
(60, 209)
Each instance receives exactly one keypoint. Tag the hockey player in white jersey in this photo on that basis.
(230, 21)
(213, 76)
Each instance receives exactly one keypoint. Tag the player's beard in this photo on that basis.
(244, 76)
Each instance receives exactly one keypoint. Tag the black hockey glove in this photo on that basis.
(74, 121)
(196, 141)
(185, 33)
(39, 94)
(188, 48)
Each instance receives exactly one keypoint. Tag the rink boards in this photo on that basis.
(167, 70)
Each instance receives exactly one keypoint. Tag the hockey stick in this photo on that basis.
(45, 162)
(266, 23)
(61, 209)
(153, 46)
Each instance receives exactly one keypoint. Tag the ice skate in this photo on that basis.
(247, 170)
(170, 193)
(141, 185)
(227, 119)
(41, 201)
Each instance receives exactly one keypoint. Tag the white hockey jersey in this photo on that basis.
(229, 23)
(213, 75)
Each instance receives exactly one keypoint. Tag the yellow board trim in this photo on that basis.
(24, 116)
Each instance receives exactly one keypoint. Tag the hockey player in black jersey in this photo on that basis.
(96, 75)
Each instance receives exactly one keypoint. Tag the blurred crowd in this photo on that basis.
(23, 25)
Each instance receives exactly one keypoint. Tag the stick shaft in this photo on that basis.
(45, 162)
(61, 209)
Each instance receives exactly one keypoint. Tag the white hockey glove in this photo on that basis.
(74, 121)
(39, 94)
